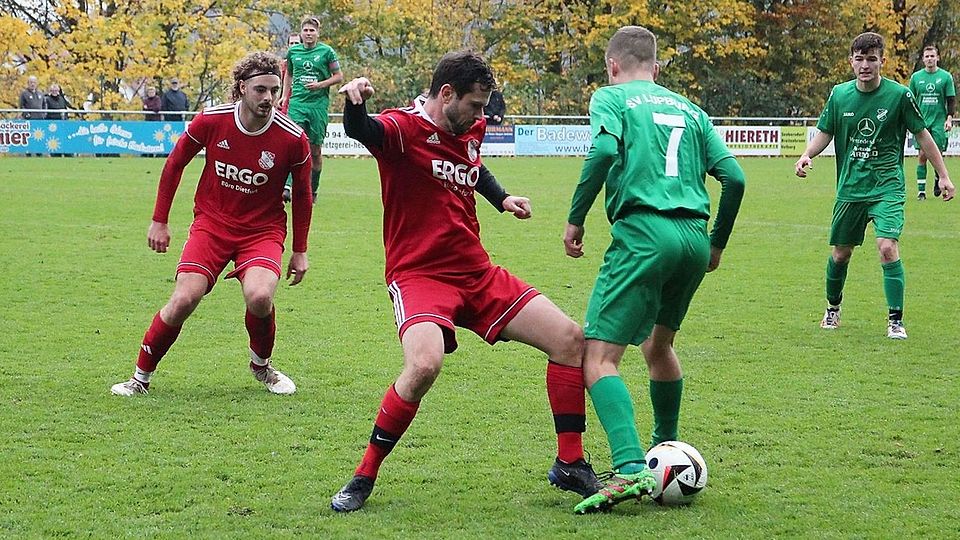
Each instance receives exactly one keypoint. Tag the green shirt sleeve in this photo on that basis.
(826, 122)
(911, 113)
(951, 88)
(596, 166)
(732, 180)
(606, 126)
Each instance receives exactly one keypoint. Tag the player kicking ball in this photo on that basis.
(239, 217)
(439, 275)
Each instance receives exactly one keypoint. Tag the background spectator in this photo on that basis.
(173, 100)
(151, 103)
(56, 103)
(496, 109)
(31, 98)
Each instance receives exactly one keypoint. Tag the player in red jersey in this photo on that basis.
(238, 216)
(439, 275)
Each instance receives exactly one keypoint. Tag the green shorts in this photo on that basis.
(850, 221)
(649, 275)
(312, 118)
(939, 137)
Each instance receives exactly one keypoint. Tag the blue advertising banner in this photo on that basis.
(88, 137)
(552, 140)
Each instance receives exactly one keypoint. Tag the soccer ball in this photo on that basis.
(679, 470)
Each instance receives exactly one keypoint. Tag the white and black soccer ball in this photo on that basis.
(680, 472)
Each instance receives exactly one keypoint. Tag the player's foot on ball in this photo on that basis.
(616, 489)
(352, 496)
(128, 388)
(831, 319)
(276, 382)
(577, 477)
(895, 330)
(921, 196)
(287, 194)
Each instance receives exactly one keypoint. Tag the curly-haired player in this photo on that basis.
(239, 217)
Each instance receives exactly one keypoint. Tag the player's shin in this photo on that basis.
(263, 335)
(614, 407)
(567, 402)
(665, 397)
(156, 342)
(393, 419)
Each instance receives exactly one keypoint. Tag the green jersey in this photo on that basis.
(932, 91)
(667, 145)
(317, 63)
(868, 131)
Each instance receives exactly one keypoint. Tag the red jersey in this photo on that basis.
(241, 185)
(427, 178)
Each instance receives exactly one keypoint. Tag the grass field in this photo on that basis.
(807, 433)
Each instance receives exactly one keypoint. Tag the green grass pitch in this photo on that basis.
(807, 433)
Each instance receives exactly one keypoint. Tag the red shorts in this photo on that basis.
(209, 248)
(484, 302)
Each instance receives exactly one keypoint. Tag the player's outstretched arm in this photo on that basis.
(814, 147)
(297, 267)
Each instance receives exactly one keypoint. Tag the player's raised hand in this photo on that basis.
(357, 90)
(947, 191)
(158, 236)
(802, 164)
(297, 268)
(573, 241)
(518, 206)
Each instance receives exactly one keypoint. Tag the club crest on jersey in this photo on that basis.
(266, 160)
(881, 114)
(473, 149)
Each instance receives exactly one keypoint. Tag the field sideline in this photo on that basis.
(807, 433)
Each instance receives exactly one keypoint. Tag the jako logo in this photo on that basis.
(244, 176)
(459, 174)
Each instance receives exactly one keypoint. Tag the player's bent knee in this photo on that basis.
(260, 303)
(567, 348)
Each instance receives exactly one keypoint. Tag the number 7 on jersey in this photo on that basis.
(675, 121)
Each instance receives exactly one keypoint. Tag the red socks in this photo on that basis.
(263, 333)
(568, 403)
(392, 421)
(156, 342)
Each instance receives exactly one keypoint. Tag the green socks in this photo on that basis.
(665, 396)
(893, 284)
(921, 177)
(836, 276)
(614, 407)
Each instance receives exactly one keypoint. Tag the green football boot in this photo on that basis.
(616, 489)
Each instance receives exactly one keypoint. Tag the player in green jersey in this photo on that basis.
(309, 72)
(867, 119)
(936, 97)
(651, 148)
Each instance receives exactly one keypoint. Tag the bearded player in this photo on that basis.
(439, 275)
(238, 216)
